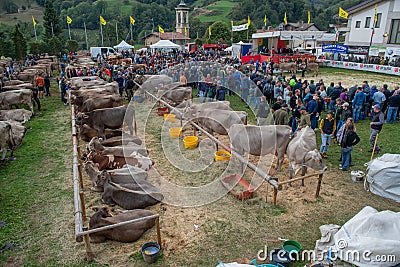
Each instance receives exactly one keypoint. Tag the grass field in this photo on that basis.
(220, 11)
(36, 199)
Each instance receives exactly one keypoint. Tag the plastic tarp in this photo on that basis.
(165, 44)
(123, 46)
(373, 236)
(383, 177)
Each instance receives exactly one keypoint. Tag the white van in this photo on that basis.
(95, 51)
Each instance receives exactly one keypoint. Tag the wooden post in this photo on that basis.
(158, 231)
(275, 195)
(319, 184)
(82, 196)
(89, 252)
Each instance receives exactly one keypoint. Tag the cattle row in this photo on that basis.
(115, 161)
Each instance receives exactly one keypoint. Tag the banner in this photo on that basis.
(390, 70)
(359, 50)
(239, 28)
(335, 48)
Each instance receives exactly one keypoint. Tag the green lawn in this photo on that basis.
(220, 11)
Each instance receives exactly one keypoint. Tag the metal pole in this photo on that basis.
(102, 40)
(131, 31)
(116, 30)
(52, 30)
(87, 46)
(69, 31)
(34, 28)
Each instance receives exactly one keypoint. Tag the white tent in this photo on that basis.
(165, 44)
(383, 178)
(228, 49)
(123, 46)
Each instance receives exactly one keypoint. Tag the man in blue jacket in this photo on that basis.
(358, 102)
(312, 109)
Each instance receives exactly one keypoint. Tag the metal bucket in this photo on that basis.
(150, 252)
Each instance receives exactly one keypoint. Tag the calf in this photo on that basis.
(130, 196)
(302, 152)
(109, 162)
(125, 233)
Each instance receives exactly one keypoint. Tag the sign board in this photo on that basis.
(393, 51)
(376, 51)
(359, 50)
(239, 28)
(391, 70)
(335, 48)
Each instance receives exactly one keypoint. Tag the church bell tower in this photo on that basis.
(182, 18)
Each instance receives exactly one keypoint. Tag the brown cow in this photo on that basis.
(122, 140)
(86, 133)
(311, 66)
(20, 115)
(125, 233)
(112, 118)
(131, 196)
(96, 146)
(107, 101)
(15, 98)
(291, 67)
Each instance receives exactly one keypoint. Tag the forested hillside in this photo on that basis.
(149, 14)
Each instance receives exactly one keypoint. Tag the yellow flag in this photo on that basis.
(209, 31)
(103, 21)
(34, 22)
(160, 30)
(375, 14)
(285, 19)
(69, 20)
(185, 30)
(132, 20)
(265, 20)
(343, 13)
(309, 17)
(248, 21)
(232, 23)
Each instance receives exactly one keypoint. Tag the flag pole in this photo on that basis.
(87, 46)
(69, 32)
(131, 30)
(101, 30)
(116, 30)
(34, 28)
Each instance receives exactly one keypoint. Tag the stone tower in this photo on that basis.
(182, 18)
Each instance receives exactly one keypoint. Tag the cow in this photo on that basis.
(291, 67)
(18, 87)
(20, 115)
(18, 132)
(6, 139)
(13, 82)
(78, 97)
(119, 176)
(15, 98)
(109, 162)
(302, 152)
(106, 101)
(131, 196)
(112, 118)
(188, 110)
(125, 233)
(121, 151)
(218, 121)
(121, 140)
(86, 133)
(246, 68)
(176, 95)
(311, 66)
(260, 140)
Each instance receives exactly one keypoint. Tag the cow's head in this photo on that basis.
(103, 212)
(314, 160)
(81, 118)
(101, 179)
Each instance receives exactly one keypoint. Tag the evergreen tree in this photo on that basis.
(51, 21)
(19, 44)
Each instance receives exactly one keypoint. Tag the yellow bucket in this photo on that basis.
(175, 132)
(170, 117)
(190, 141)
(222, 155)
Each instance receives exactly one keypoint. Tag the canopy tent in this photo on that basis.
(165, 44)
(123, 46)
(228, 49)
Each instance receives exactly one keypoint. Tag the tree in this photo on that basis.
(220, 31)
(51, 21)
(55, 46)
(19, 44)
(196, 26)
(37, 47)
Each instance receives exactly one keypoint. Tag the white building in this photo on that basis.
(361, 24)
